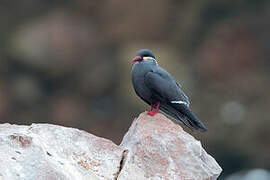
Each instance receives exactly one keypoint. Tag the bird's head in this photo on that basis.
(144, 56)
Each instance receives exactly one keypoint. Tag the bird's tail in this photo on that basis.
(181, 112)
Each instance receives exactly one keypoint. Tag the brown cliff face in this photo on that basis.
(153, 148)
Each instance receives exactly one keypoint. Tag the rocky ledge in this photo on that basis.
(153, 148)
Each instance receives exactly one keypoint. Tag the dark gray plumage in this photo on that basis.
(157, 88)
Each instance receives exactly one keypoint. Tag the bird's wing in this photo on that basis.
(165, 87)
(173, 100)
(183, 94)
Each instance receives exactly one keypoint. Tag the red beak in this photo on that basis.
(137, 58)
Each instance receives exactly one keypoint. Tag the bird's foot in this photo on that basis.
(152, 113)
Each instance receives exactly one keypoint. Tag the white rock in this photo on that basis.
(160, 149)
(153, 148)
(48, 152)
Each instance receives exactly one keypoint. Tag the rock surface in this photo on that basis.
(48, 152)
(153, 148)
(160, 149)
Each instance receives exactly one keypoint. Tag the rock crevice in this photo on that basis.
(122, 163)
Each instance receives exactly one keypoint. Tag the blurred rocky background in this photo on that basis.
(68, 63)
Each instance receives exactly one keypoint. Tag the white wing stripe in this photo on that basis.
(179, 102)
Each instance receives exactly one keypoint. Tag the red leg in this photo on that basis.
(151, 112)
(152, 105)
(157, 107)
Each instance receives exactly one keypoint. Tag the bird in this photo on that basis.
(157, 87)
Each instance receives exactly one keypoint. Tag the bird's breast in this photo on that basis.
(138, 75)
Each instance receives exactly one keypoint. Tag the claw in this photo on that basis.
(152, 113)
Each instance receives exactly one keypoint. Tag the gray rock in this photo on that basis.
(153, 148)
(160, 149)
(43, 151)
